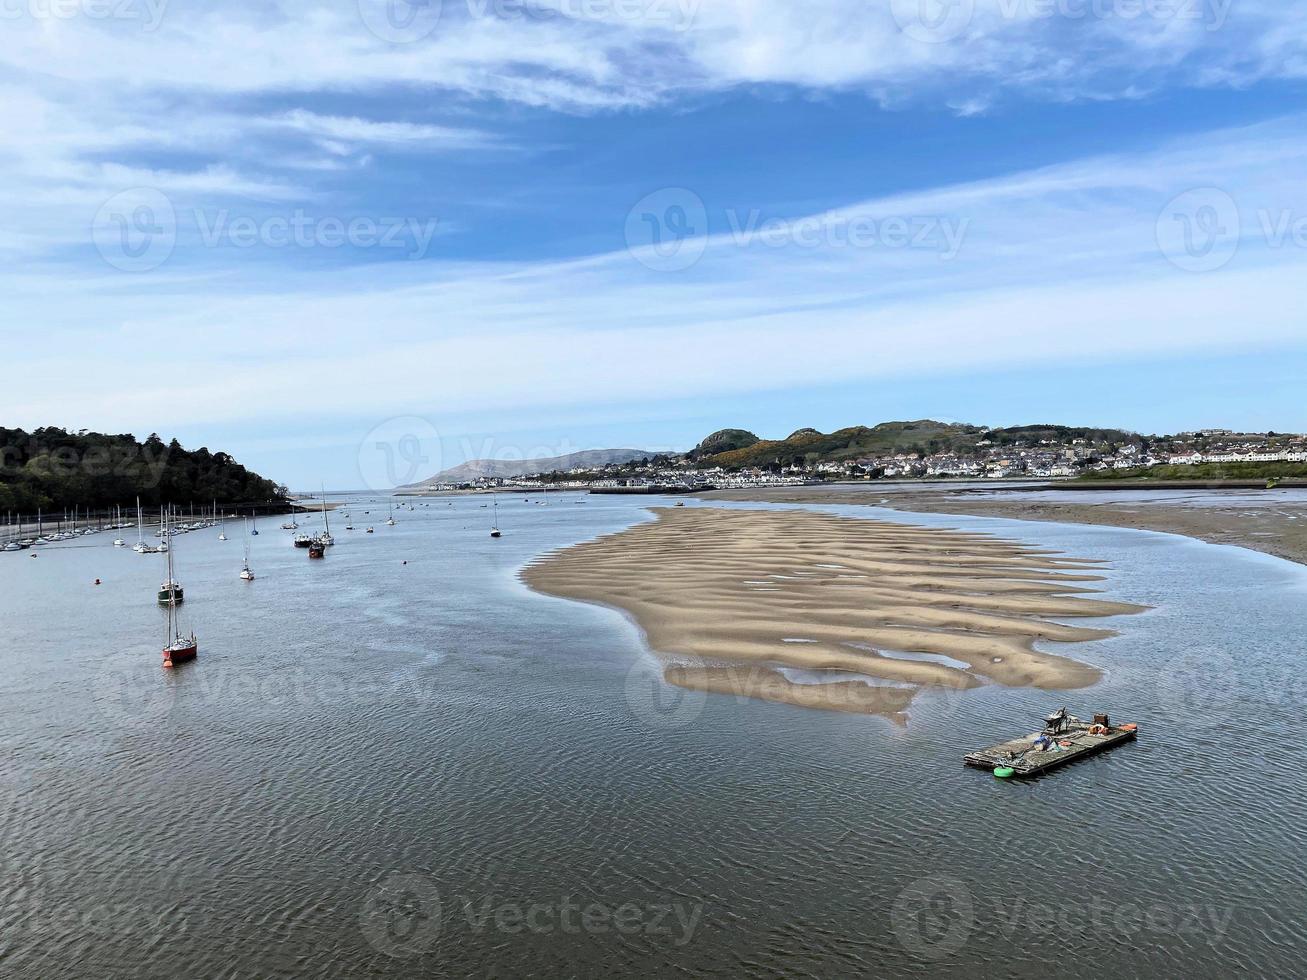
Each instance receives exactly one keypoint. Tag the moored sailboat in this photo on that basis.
(170, 591)
(177, 648)
(246, 573)
(325, 537)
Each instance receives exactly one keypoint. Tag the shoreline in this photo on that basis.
(786, 605)
(1279, 531)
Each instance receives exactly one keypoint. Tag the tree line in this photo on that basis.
(52, 469)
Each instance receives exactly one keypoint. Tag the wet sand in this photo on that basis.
(1279, 530)
(835, 612)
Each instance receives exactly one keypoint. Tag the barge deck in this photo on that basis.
(1064, 739)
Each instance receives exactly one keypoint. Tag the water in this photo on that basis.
(386, 769)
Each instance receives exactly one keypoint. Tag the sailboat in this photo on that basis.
(40, 529)
(170, 591)
(494, 529)
(325, 537)
(222, 527)
(246, 574)
(254, 531)
(177, 649)
(390, 520)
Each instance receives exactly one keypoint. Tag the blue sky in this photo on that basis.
(320, 235)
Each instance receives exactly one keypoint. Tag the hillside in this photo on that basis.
(923, 436)
(506, 468)
(52, 469)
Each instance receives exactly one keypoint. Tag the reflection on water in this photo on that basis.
(385, 769)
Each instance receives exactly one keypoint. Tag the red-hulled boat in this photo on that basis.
(181, 650)
(317, 549)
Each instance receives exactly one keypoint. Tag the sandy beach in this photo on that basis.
(1279, 529)
(778, 604)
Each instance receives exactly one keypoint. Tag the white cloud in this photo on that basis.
(1057, 265)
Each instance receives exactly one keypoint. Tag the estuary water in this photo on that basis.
(398, 761)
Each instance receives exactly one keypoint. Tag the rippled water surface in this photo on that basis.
(387, 769)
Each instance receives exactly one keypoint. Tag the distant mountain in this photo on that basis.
(922, 436)
(505, 468)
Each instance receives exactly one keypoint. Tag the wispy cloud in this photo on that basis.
(1061, 263)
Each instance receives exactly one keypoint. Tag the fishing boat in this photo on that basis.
(303, 540)
(177, 648)
(317, 549)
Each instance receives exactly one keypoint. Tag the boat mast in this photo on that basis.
(169, 636)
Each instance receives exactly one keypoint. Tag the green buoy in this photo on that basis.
(1003, 772)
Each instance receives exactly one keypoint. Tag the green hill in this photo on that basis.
(923, 436)
(723, 441)
(52, 469)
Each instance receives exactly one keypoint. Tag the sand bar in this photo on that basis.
(1277, 528)
(732, 598)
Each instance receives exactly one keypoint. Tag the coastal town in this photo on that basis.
(987, 459)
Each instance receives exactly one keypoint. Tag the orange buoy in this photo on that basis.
(1131, 727)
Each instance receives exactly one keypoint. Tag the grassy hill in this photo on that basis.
(923, 436)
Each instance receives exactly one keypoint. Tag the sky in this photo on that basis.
(358, 241)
